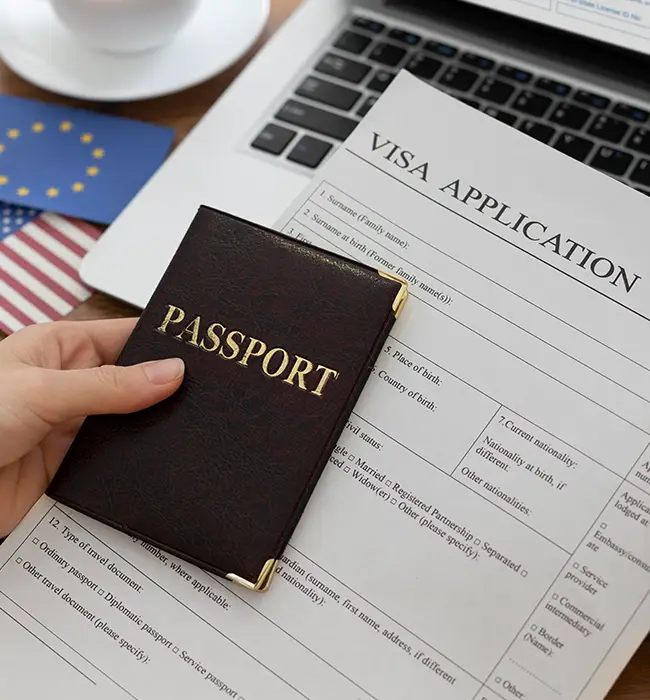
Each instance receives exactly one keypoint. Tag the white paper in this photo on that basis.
(481, 529)
(625, 23)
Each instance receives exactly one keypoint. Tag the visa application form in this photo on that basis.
(482, 531)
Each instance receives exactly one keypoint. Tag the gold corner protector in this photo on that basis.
(263, 580)
(401, 296)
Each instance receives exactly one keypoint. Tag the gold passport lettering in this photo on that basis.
(235, 345)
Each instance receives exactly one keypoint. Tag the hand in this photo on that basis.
(51, 377)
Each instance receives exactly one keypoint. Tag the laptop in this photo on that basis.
(573, 74)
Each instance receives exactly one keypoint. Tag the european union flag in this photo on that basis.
(74, 161)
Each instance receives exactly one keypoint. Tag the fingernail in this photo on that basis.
(164, 371)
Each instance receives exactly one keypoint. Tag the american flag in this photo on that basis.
(40, 254)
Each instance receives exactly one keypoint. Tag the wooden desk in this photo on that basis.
(181, 112)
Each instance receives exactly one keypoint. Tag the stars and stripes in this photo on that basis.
(13, 218)
(40, 255)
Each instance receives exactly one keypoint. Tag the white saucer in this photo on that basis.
(36, 46)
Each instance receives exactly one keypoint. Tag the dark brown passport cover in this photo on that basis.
(220, 473)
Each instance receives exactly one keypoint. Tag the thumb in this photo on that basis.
(67, 394)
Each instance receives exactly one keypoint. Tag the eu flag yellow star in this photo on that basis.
(85, 164)
(65, 126)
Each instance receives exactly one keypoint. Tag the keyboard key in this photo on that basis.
(381, 80)
(608, 128)
(553, 86)
(309, 151)
(500, 115)
(352, 42)
(328, 93)
(388, 54)
(476, 61)
(365, 107)
(532, 103)
(574, 146)
(458, 78)
(404, 37)
(541, 132)
(440, 49)
(512, 73)
(333, 125)
(495, 91)
(591, 99)
(641, 172)
(370, 25)
(471, 103)
(566, 114)
(273, 139)
(630, 112)
(611, 161)
(640, 140)
(423, 66)
(342, 68)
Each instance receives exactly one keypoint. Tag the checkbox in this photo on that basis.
(576, 565)
(350, 458)
(19, 560)
(603, 526)
(389, 482)
(346, 469)
(555, 596)
(524, 573)
(35, 540)
(100, 592)
(175, 650)
(477, 541)
(534, 628)
(393, 501)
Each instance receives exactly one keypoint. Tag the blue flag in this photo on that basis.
(74, 161)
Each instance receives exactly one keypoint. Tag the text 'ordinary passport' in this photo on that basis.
(278, 338)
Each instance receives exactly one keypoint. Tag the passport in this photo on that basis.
(279, 338)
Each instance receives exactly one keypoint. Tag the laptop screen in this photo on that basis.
(624, 23)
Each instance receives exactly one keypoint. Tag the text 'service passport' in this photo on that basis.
(278, 338)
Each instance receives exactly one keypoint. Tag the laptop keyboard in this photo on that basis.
(360, 64)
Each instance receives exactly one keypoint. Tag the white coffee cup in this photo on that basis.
(125, 26)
